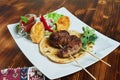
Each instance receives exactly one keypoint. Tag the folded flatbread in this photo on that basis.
(51, 53)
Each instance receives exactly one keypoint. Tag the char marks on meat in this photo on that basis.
(59, 38)
(71, 48)
(69, 44)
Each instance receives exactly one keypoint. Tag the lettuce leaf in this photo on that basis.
(54, 16)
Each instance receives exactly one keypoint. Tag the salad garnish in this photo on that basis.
(24, 19)
(88, 36)
(49, 21)
(53, 16)
(25, 24)
(47, 27)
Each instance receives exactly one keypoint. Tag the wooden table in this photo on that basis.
(102, 15)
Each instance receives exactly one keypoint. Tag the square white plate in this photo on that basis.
(103, 47)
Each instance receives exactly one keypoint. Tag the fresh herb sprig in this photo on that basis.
(88, 36)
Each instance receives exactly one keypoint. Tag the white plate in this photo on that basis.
(103, 47)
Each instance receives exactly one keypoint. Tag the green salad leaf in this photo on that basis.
(54, 16)
(24, 19)
(88, 36)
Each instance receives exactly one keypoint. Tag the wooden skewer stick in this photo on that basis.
(96, 57)
(82, 67)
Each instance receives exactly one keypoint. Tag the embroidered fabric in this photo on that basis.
(27, 73)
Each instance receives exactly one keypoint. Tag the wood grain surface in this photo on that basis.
(102, 15)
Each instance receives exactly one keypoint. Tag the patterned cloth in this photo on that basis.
(30, 73)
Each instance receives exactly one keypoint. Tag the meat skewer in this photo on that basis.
(72, 47)
(82, 67)
(68, 44)
(96, 57)
(59, 38)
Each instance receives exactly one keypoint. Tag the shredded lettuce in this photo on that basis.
(54, 16)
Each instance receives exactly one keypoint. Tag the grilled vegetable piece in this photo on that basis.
(37, 32)
(63, 23)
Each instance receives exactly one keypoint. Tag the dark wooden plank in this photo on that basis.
(102, 15)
